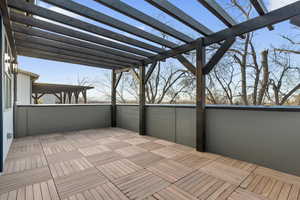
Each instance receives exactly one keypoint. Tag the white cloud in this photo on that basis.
(275, 4)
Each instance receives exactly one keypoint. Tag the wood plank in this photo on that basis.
(219, 12)
(101, 50)
(79, 24)
(117, 169)
(57, 57)
(108, 20)
(73, 33)
(93, 54)
(180, 15)
(261, 9)
(37, 45)
(144, 18)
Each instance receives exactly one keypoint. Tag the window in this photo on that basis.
(7, 76)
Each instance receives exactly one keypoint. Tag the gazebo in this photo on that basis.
(61, 91)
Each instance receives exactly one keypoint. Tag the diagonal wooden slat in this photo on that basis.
(64, 52)
(101, 50)
(83, 52)
(180, 15)
(108, 20)
(261, 9)
(57, 57)
(150, 71)
(70, 21)
(185, 62)
(73, 33)
(218, 55)
(144, 18)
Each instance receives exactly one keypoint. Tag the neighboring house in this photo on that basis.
(24, 86)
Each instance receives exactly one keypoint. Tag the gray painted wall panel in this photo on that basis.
(186, 126)
(128, 117)
(160, 123)
(267, 138)
(49, 119)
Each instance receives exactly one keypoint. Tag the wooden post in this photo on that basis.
(142, 128)
(113, 98)
(200, 97)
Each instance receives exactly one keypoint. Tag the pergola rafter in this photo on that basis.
(73, 40)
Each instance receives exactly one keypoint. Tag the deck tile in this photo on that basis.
(225, 172)
(145, 159)
(204, 186)
(169, 170)
(117, 169)
(103, 158)
(149, 146)
(141, 184)
(88, 151)
(130, 151)
(79, 182)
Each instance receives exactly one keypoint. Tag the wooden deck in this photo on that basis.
(112, 164)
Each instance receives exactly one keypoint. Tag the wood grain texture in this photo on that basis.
(117, 164)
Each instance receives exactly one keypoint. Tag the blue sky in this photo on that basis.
(58, 72)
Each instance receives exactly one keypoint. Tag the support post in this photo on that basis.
(142, 128)
(200, 97)
(113, 99)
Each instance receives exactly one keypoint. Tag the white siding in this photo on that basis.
(7, 113)
(49, 99)
(23, 89)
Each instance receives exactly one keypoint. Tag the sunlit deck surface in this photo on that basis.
(118, 164)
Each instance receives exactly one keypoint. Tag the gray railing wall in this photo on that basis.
(43, 119)
(266, 136)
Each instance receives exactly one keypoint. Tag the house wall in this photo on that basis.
(7, 113)
(48, 99)
(267, 136)
(43, 119)
(24, 85)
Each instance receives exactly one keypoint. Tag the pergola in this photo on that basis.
(111, 50)
(62, 92)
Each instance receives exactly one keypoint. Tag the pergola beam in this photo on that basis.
(79, 24)
(64, 52)
(295, 21)
(57, 57)
(30, 21)
(261, 9)
(180, 15)
(144, 18)
(271, 18)
(6, 22)
(108, 20)
(87, 46)
(219, 12)
(218, 55)
(253, 24)
(79, 51)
